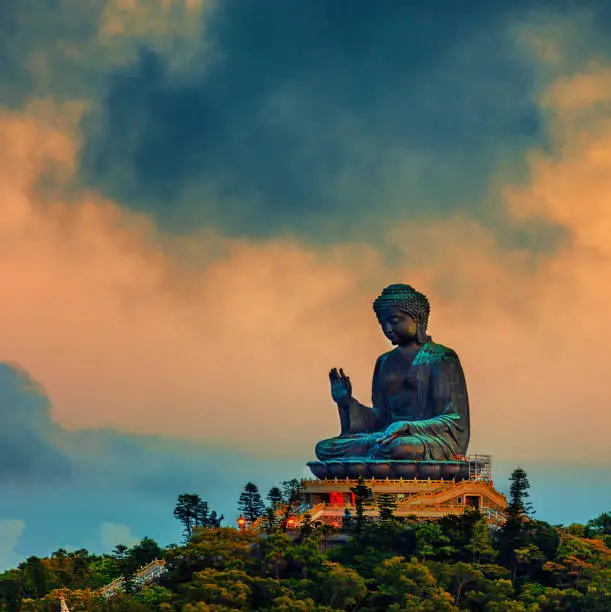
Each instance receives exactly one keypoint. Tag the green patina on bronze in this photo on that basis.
(420, 408)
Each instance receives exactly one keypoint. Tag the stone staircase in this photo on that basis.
(145, 575)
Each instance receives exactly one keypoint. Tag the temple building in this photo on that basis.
(328, 499)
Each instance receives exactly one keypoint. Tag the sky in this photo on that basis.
(201, 199)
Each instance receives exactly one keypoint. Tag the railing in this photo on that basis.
(316, 509)
(145, 575)
(418, 508)
(388, 482)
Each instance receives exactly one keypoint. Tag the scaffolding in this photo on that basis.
(480, 467)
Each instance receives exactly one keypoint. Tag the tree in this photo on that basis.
(519, 506)
(293, 497)
(250, 503)
(513, 534)
(270, 521)
(601, 525)
(36, 577)
(191, 511)
(342, 588)
(274, 497)
(126, 565)
(275, 552)
(119, 552)
(362, 497)
(146, 551)
(409, 583)
(431, 541)
(11, 592)
(479, 545)
(387, 504)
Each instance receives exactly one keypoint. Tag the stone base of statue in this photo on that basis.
(396, 470)
(423, 489)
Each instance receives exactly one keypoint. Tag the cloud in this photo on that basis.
(27, 453)
(10, 534)
(112, 534)
(276, 126)
(65, 48)
(227, 341)
(164, 19)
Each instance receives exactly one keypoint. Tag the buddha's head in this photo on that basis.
(403, 314)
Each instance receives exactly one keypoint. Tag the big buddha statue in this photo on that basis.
(418, 425)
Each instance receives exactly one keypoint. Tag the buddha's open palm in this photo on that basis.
(341, 387)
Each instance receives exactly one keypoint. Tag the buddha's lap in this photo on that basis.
(361, 444)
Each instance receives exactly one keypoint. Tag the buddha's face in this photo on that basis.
(398, 327)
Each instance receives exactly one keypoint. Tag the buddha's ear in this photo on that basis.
(421, 336)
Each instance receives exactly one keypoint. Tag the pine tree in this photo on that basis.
(250, 503)
(201, 514)
(191, 511)
(125, 563)
(292, 496)
(513, 534)
(387, 505)
(519, 506)
(274, 497)
(362, 497)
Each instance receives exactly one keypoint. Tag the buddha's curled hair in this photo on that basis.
(407, 300)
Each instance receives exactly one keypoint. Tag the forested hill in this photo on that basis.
(450, 564)
(454, 563)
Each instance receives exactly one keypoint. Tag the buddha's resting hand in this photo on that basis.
(341, 387)
(394, 430)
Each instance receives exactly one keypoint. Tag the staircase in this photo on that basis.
(145, 575)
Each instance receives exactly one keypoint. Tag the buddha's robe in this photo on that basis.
(428, 395)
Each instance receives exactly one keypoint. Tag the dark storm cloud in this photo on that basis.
(304, 116)
(28, 454)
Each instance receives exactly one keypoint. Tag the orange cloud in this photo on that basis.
(229, 341)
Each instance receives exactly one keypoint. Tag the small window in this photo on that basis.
(459, 500)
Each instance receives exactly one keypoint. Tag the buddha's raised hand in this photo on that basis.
(341, 387)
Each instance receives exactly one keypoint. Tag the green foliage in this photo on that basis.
(342, 588)
(432, 542)
(292, 494)
(451, 564)
(386, 504)
(274, 497)
(362, 498)
(518, 501)
(599, 526)
(480, 543)
(270, 520)
(513, 535)
(250, 503)
(193, 512)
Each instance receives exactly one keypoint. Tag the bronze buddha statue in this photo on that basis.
(420, 412)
